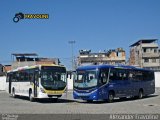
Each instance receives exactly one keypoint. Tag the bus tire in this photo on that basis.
(30, 96)
(140, 94)
(110, 97)
(13, 93)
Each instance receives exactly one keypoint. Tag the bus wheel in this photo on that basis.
(30, 96)
(13, 93)
(140, 94)
(110, 97)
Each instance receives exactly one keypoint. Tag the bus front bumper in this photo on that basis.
(85, 96)
(50, 94)
(44, 95)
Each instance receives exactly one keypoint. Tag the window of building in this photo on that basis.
(117, 54)
(155, 50)
(153, 60)
(146, 60)
(144, 50)
(147, 50)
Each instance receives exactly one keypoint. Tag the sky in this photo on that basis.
(93, 24)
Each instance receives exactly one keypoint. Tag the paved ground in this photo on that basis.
(66, 105)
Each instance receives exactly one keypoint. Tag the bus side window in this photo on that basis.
(7, 79)
(132, 75)
(151, 77)
(120, 76)
(125, 76)
(147, 75)
(111, 76)
(31, 76)
(26, 75)
(103, 77)
(138, 75)
(14, 77)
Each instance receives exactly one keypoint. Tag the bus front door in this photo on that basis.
(36, 83)
(10, 82)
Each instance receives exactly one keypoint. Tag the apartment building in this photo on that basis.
(145, 54)
(112, 56)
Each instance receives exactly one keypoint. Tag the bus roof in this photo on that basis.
(34, 66)
(89, 67)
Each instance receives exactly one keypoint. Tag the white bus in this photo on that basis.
(38, 81)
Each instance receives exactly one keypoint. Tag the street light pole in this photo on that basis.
(72, 42)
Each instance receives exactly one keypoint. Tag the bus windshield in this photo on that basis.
(53, 79)
(85, 79)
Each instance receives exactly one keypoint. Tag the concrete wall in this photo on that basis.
(2, 82)
(157, 79)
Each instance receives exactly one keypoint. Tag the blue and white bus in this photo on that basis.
(106, 82)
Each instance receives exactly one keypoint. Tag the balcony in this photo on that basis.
(153, 45)
(101, 59)
(150, 55)
(151, 64)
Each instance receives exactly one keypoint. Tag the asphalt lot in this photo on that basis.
(67, 105)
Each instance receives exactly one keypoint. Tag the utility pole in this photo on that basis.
(72, 42)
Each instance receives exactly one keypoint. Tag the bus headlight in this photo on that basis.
(42, 90)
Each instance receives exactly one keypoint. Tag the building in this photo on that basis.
(145, 54)
(4, 69)
(112, 56)
(2, 73)
(2, 78)
(7, 68)
(29, 59)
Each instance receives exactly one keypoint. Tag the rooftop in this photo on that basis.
(143, 41)
(24, 54)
